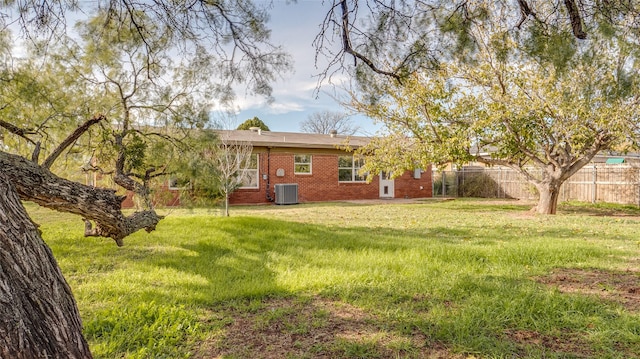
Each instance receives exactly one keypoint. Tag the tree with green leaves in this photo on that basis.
(540, 87)
(195, 171)
(124, 90)
(253, 122)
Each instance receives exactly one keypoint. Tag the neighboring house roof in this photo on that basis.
(292, 139)
(608, 157)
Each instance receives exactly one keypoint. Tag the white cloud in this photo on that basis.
(281, 108)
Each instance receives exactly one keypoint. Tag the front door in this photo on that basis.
(386, 185)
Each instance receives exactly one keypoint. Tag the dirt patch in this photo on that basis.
(572, 344)
(314, 328)
(622, 287)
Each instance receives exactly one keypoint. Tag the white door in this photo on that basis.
(386, 185)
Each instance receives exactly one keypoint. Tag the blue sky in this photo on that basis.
(294, 26)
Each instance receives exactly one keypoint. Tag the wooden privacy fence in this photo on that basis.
(593, 183)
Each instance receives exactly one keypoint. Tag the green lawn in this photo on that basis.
(463, 278)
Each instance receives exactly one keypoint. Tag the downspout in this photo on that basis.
(269, 198)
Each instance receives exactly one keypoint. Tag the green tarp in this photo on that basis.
(614, 161)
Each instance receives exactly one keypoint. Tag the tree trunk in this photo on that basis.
(226, 205)
(38, 314)
(100, 205)
(549, 193)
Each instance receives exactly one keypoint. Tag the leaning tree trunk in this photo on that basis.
(549, 192)
(38, 314)
(98, 205)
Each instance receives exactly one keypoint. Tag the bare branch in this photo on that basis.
(79, 131)
(21, 132)
(525, 10)
(576, 19)
(348, 48)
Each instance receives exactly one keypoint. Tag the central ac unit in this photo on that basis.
(286, 193)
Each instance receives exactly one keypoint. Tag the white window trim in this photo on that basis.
(354, 172)
(173, 188)
(257, 171)
(303, 163)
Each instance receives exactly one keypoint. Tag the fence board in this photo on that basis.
(593, 183)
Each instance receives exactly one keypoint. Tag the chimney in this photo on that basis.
(256, 129)
(333, 133)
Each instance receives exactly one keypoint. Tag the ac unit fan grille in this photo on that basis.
(286, 193)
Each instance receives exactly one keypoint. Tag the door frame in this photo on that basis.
(387, 186)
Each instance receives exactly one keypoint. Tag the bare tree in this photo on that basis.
(326, 121)
(233, 160)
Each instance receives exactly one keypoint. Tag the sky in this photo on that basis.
(294, 26)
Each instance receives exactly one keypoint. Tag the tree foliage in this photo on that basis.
(118, 96)
(395, 38)
(213, 168)
(532, 95)
(253, 122)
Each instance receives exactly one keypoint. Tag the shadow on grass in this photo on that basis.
(599, 209)
(436, 290)
(422, 290)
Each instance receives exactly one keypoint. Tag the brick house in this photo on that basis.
(320, 169)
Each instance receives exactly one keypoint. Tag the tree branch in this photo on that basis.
(525, 151)
(602, 140)
(525, 10)
(100, 205)
(21, 132)
(576, 19)
(79, 131)
(348, 48)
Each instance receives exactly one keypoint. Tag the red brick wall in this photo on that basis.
(322, 184)
(408, 187)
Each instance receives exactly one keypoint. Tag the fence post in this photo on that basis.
(433, 182)
(594, 189)
(502, 184)
(459, 182)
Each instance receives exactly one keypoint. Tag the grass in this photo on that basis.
(442, 279)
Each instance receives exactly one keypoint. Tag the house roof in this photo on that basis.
(292, 139)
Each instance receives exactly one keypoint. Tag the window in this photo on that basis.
(348, 168)
(250, 175)
(302, 164)
(175, 184)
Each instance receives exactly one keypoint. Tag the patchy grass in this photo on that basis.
(600, 209)
(434, 279)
